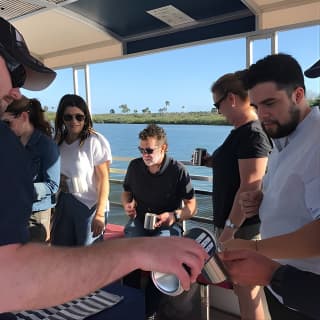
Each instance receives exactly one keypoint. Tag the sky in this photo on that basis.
(182, 77)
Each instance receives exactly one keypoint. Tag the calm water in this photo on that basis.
(182, 140)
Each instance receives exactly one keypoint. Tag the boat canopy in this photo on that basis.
(69, 33)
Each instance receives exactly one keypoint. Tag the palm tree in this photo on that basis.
(167, 103)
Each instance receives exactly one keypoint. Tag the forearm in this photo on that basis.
(103, 188)
(126, 197)
(189, 209)
(103, 196)
(236, 216)
(62, 274)
(302, 243)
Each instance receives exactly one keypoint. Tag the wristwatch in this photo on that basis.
(231, 225)
(177, 216)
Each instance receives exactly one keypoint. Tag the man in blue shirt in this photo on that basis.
(33, 275)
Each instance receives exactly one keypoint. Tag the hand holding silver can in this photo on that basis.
(150, 220)
(213, 270)
(197, 156)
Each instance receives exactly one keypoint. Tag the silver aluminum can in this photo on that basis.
(197, 156)
(167, 283)
(150, 220)
(212, 272)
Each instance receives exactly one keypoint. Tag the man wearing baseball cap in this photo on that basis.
(33, 275)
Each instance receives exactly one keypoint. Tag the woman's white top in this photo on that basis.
(78, 162)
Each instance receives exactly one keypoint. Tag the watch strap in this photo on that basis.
(230, 224)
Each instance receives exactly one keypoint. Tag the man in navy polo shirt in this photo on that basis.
(36, 276)
(156, 183)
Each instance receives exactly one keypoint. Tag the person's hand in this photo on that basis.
(236, 244)
(250, 202)
(130, 209)
(168, 255)
(207, 160)
(98, 225)
(165, 219)
(248, 267)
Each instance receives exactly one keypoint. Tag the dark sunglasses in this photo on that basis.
(217, 104)
(17, 71)
(18, 75)
(68, 117)
(146, 150)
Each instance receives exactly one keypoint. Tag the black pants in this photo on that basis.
(278, 311)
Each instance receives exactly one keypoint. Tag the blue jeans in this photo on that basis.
(72, 222)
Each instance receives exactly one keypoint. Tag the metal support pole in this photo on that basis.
(205, 301)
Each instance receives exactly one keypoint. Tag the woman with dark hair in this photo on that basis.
(85, 159)
(26, 119)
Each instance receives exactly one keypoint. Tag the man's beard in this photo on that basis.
(283, 130)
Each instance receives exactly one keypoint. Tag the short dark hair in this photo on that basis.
(153, 131)
(280, 68)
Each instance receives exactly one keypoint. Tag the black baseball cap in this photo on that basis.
(15, 51)
(313, 71)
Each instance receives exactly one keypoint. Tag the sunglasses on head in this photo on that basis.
(68, 117)
(146, 150)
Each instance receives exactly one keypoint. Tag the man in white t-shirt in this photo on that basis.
(292, 183)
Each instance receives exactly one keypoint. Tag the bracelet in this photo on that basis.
(256, 245)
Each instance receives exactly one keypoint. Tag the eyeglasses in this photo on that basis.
(18, 75)
(68, 117)
(217, 104)
(147, 150)
(17, 71)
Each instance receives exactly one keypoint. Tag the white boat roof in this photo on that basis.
(67, 33)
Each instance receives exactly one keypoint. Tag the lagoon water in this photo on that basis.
(182, 140)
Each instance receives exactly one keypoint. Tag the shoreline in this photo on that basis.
(192, 118)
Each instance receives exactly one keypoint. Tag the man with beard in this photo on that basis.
(291, 185)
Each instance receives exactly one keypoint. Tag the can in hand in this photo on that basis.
(213, 270)
(150, 220)
(197, 156)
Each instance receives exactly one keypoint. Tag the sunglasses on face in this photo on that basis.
(17, 71)
(146, 150)
(217, 104)
(18, 75)
(68, 117)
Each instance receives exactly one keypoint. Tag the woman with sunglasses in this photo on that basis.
(26, 119)
(239, 165)
(85, 159)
